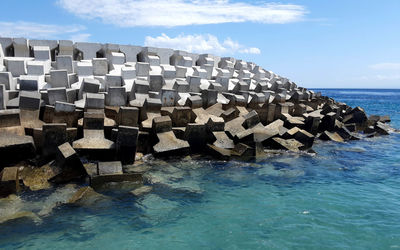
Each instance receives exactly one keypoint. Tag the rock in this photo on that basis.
(86, 196)
(9, 181)
(38, 178)
(331, 136)
(382, 129)
(141, 191)
(98, 181)
(108, 168)
(357, 116)
(20, 215)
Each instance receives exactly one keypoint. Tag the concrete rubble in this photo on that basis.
(77, 102)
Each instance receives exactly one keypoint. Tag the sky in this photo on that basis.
(315, 43)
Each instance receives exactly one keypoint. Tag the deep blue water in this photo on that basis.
(348, 196)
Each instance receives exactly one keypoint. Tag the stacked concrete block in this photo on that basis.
(31, 82)
(159, 101)
(21, 48)
(86, 51)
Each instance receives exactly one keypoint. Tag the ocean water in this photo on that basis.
(347, 196)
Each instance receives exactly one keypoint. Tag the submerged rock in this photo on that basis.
(141, 190)
(86, 196)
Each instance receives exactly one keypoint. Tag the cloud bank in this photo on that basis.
(41, 31)
(133, 13)
(199, 44)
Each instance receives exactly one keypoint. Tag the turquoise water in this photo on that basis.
(348, 196)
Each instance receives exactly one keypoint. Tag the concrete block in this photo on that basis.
(53, 135)
(129, 116)
(38, 67)
(16, 65)
(168, 97)
(7, 79)
(41, 53)
(57, 94)
(21, 48)
(131, 52)
(100, 66)
(31, 82)
(88, 51)
(59, 78)
(194, 83)
(162, 124)
(169, 145)
(3, 97)
(94, 101)
(156, 82)
(29, 100)
(194, 102)
(168, 71)
(141, 87)
(64, 62)
(116, 96)
(84, 68)
(128, 73)
(112, 80)
(126, 144)
(142, 69)
(181, 86)
(64, 107)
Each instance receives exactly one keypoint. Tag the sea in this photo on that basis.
(347, 196)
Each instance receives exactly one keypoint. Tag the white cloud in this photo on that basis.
(199, 44)
(80, 37)
(37, 30)
(385, 66)
(131, 13)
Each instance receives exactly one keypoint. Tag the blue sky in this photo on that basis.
(316, 43)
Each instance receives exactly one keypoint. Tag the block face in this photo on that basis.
(100, 66)
(64, 62)
(59, 78)
(57, 94)
(64, 107)
(129, 116)
(42, 53)
(116, 96)
(94, 101)
(9, 118)
(7, 80)
(142, 69)
(29, 100)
